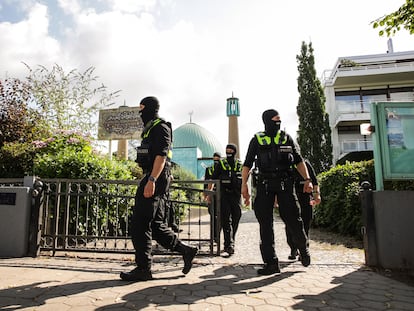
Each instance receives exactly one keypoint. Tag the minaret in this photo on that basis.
(233, 112)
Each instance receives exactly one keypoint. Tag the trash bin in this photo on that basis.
(15, 204)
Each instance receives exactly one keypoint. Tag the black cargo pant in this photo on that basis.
(212, 210)
(230, 215)
(306, 212)
(289, 212)
(148, 223)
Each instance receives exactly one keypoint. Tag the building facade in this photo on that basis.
(352, 85)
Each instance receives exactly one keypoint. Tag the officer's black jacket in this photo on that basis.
(233, 174)
(159, 143)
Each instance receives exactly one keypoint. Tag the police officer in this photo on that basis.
(228, 171)
(210, 169)
(306, 201)
(148, 218)
(275, 153)
(212, 207)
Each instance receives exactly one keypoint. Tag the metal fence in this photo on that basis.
(94, 215)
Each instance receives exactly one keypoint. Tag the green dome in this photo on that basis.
(193, 135)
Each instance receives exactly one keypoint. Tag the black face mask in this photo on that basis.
(272, 127)
(230, 156)
(150, 111)
(147, 114)
(216, 161)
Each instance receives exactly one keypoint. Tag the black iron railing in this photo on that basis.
(94, 215)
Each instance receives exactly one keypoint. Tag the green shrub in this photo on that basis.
(399, 185)
(176, 195)
(70, 155)
(16, 159)
(340, 209)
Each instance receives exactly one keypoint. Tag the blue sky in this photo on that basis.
(192, 54)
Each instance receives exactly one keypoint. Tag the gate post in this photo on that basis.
(368, 228)
(36, 220)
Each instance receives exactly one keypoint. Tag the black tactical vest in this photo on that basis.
(273, 155)
(143, 156)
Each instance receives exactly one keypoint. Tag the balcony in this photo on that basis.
(368, 74)
(358, 111)
(355, 106)
(352, 111)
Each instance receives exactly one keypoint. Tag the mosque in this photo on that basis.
(193, 145)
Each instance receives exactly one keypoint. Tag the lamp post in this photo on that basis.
(122, 143)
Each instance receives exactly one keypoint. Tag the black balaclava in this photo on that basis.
(150, 111)
(230, 156)
(216, 154)
(271, 127)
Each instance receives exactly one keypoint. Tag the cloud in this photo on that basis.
(27, 40)
(194, 54)
(70, 7)
(132, 6)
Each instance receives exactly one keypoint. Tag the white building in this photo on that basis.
(352, 85)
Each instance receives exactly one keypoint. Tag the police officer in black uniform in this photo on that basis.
(275, 153)
(306, 201)
(212, 207)
(228, 171)
(210, 169)
(148, 218)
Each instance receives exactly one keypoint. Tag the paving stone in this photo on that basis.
(336, 280)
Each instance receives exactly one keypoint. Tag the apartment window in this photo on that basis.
(348, 103)
(367, 99)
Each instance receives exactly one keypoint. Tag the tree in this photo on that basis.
(392, 23)
(18, 121)
(314, 133)
(46, 103)
(68, 101)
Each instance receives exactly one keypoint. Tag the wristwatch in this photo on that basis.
(152, 178)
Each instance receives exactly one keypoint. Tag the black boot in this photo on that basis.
(175, 228)
(188, 253)
(293, 254)
(229, 250)
(304, 257)
(137, 274)
(269, 268)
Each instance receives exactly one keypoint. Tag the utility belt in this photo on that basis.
(166, 170)
(230, 184)
(279, 175)
(275, 181)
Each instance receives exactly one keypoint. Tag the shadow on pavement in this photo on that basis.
(224, 281)
(359, 290)
(36, 294)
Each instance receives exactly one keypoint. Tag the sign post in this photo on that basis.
(120, 124)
